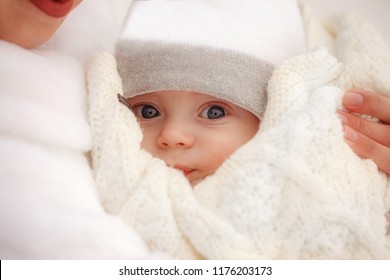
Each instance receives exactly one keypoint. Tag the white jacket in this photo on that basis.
(49, 208)
(295, 191)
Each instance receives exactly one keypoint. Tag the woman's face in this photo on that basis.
(30, 23)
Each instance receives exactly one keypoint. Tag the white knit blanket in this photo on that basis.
(295, 191)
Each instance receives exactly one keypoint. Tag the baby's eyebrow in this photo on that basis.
(124, 101)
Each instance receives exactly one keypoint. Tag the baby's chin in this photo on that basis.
(196, 181)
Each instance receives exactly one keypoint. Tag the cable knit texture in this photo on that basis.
(295, 191)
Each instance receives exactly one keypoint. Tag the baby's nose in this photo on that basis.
(176, 135)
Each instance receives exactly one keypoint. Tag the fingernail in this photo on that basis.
(352, 98)
(343, 118)
(351, 134)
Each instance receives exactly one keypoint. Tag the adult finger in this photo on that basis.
(378, 132)
(368, 148)
(368, 103)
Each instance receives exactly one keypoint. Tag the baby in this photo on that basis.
(196, 82)
(196, 75)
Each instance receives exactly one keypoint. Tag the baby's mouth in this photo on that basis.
(186, 170)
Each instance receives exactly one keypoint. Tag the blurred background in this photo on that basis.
(377, 12)
(78, 35)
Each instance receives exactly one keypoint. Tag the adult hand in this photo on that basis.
(368, 139)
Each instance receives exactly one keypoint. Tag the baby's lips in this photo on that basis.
(186, 170)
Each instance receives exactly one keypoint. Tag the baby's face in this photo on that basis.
(190, 131)
(30, 23)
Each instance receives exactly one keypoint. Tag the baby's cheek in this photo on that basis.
(148, 146)
(221, 153)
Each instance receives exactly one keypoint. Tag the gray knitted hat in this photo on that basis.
(224, 48)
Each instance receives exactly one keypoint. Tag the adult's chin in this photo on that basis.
(30, 39)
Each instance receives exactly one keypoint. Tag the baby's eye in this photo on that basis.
(146, 111)
(213, 112)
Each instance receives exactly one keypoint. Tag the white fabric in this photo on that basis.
(48, 202)
(375, 11)
(295, 191)
(49, 208)
(94, 25)
(271, 30)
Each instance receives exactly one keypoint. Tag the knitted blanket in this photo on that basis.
(295, 191)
